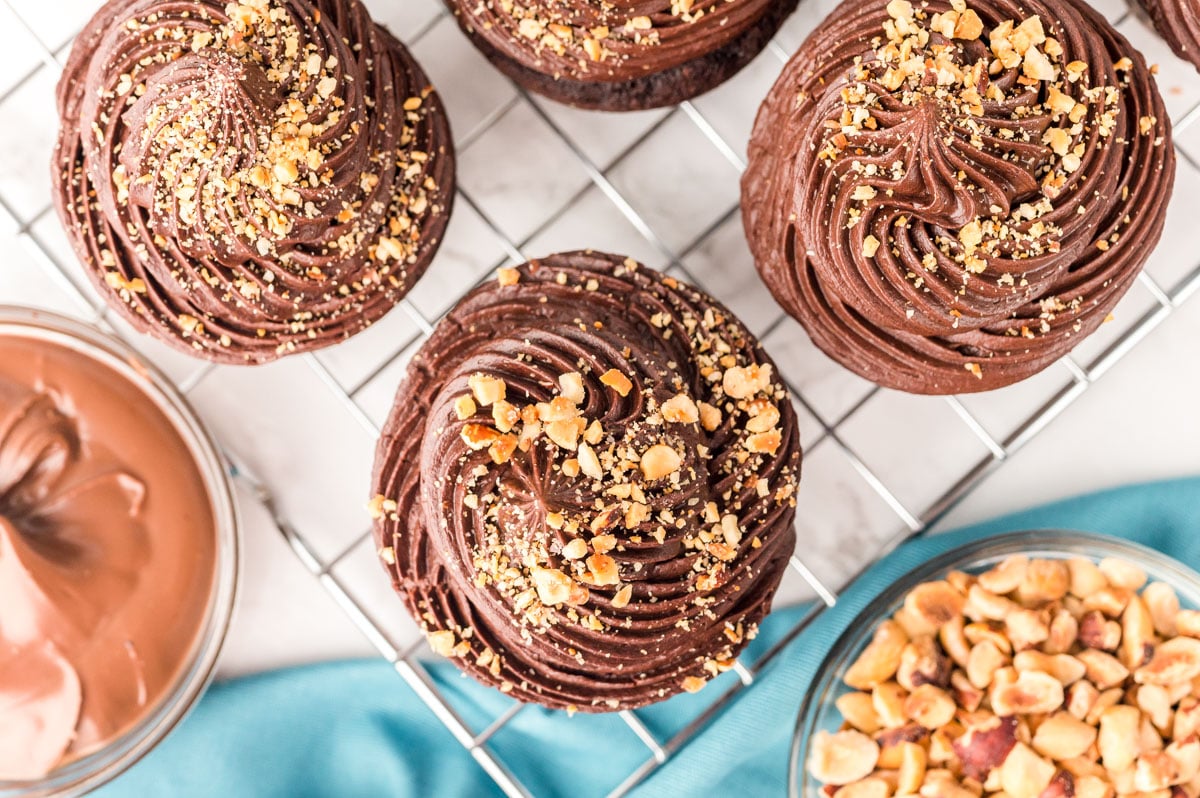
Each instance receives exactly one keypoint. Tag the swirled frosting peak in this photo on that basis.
(586, 489)
(247, 180)
(950, 196)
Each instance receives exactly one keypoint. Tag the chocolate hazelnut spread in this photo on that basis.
(107, 555)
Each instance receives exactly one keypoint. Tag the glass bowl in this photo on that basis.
(86, 773)
(818, 712)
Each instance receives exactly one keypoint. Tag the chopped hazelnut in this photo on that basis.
(575, 549)
(603, 569)
(487, 389)
(501, 451)
(571, 384)
(464, 407)
(603, 544)
(617, 381)
(743, 383)
(842, 758)
(660, 461)
(765, 442)
(442, 642)
(505, 414)
(565, 433)
(478, 436)
(880, 660)
(553, 586)
(710, 417)
(589, 463)
(680, 409)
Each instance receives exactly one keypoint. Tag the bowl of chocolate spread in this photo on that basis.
(118, 555)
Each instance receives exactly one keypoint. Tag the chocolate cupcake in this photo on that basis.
(621, 56)
(585, 491)
(245, 181)
(950, 198)
(1178, 21)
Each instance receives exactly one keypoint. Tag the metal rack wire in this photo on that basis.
(410, 662)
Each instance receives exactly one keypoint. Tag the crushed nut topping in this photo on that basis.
(241, 161)
(570, 564)
(603, 459)
(950, 61)
(605, 34)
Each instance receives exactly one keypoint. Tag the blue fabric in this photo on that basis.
(353, 729)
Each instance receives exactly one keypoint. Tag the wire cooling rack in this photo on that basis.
(660, 186)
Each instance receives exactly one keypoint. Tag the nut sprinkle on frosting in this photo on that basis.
(949, 197)
(586, 489)
(621, 54)
(248, 180)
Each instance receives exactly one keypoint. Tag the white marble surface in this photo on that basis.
(538, 177)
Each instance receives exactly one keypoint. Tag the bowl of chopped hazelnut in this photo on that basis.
(1028, 665)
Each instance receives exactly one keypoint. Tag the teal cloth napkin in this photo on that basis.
(354, 729)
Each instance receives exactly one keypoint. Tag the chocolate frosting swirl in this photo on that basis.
(949, 198)
(1178, 22)
(249, 180)
(624, 54)
(586, 488)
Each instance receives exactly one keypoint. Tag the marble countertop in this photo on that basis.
(536, 178)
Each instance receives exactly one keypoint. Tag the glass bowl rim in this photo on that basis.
(102, 765)
(1033, 542)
